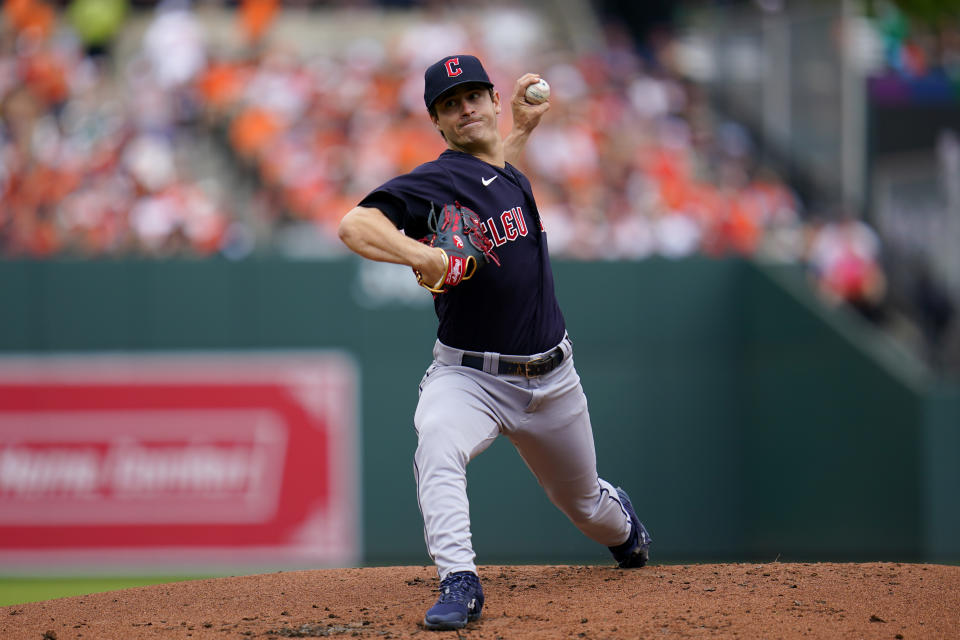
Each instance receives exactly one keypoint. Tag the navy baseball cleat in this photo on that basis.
(461, 600)
(635, 552)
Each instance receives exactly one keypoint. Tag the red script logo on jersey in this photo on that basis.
(453, 67)
(511, 221)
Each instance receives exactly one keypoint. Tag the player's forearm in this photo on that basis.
(526, 117)
(513, 145)
(369, 233)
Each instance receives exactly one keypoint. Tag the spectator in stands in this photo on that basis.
(936, 314)
(844, 257)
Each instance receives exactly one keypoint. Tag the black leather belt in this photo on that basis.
(528, 368)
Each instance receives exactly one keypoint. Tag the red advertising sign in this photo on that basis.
(186, 461)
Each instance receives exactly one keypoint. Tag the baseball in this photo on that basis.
(538, 92)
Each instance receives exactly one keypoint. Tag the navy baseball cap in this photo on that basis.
(451, 72)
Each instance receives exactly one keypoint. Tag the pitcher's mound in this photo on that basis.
(836, 601)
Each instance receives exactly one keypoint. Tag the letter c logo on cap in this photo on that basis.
(453, 67)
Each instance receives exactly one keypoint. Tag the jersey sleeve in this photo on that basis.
(406, 199)
(389, 205)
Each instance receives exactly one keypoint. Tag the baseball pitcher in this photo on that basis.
(468, 225)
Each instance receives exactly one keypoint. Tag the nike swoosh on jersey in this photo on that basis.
(486, 181)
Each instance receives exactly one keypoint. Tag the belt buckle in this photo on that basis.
(532, 368)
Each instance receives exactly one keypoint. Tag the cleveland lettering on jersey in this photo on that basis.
(512, 226)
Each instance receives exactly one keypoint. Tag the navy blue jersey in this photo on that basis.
(510, 309)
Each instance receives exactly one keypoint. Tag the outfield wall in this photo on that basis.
(747, 422)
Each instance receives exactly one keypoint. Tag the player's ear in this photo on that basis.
(496, 101)
(436, 125)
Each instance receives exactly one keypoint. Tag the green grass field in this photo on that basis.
(20, 590)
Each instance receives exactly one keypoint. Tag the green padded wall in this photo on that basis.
(746, 420)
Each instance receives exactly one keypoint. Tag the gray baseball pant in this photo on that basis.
(461, 412)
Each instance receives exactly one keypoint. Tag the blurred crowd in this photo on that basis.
(919, 48)
(99, 155)
(88, 164)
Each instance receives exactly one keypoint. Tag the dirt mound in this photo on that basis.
(874, 600)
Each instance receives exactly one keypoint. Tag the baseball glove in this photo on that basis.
(456, 231)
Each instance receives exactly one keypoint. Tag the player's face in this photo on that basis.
(468, 117)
